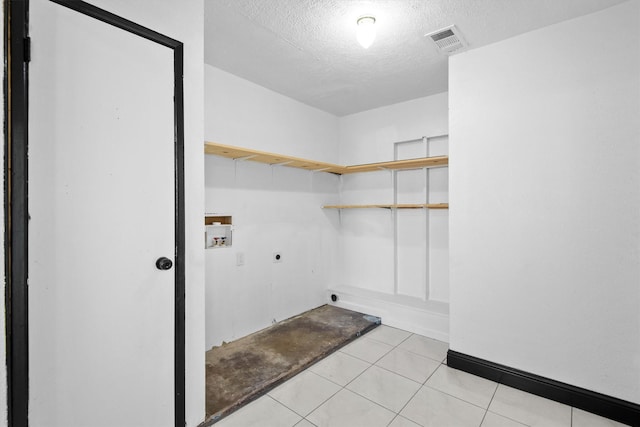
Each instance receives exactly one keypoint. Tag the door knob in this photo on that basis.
(164, 263)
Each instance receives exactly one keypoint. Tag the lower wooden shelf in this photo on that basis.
(392, 206)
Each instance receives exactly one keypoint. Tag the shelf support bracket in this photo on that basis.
(282, 164)
(245, 158)
(320, 170)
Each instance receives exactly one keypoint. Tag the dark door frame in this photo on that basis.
(16, 163)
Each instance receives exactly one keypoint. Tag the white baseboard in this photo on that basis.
(427, 318)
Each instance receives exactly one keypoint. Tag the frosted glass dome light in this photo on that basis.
(366, 32)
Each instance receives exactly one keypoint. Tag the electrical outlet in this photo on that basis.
(277, 257)
(240, 258)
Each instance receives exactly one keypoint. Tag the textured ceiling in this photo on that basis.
(307, 49)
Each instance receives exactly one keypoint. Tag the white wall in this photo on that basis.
(279, 208)
(368, 137)
(244, 114)
(367, 250)
(274, 208)
(545, 207)
(184, 21)
(390, 260)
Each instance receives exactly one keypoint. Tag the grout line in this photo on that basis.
(409, 400)
(357, 376)
(348, 355)
(279, 403)
(428, 357)
(488, 406)
(434, 371)
(400, 375)
(571, 418)
(493, 395)
(387, 343)
(374, 364)
(353, 392)
(374, 402)
(509, 418)
(408, 336)
(393, 419)
(456, 397)
(419, 388)
(369, 339)
(484, 416)
(321, 403)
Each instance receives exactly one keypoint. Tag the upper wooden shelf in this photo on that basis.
(269, 158)
(295, 162)
(393, 206)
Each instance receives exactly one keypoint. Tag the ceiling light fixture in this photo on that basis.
(366, 32)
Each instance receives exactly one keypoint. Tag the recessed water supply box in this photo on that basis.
(218, 231)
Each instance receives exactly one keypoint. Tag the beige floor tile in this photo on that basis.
(411, 365)
(427, 347)
(368, 350)
(495, 420)
(402, 422)
(431, 407)
(347, 409)
(582, 418)
(388, 335)
(462, 385)
(384, 388)
(529, 409)
(264, 412)
(304, 392)
(340, 368)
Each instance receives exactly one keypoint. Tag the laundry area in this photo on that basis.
(321, 213)
(334, 189)
(307, 209)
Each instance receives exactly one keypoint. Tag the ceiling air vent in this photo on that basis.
(448, 40)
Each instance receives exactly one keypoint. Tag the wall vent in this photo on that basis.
(448, 40)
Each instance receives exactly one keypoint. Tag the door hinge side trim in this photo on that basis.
(27, 49)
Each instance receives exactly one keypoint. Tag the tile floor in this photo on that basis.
(394, 378)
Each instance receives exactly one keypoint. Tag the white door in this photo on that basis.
(101, 205)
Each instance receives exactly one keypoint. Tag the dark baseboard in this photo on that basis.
(600, 404)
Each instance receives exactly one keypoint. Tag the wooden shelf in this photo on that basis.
(295, 162)
(423, 162)
(210, 219)
(392, 206)
(269, 158)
